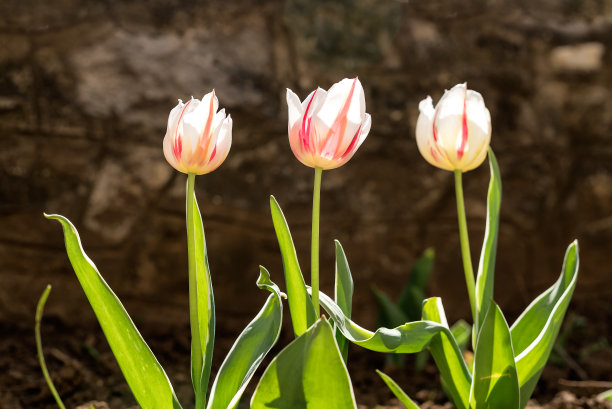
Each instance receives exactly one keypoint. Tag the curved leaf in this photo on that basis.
(343, 294)
(143, 373)
(300, 305)
(535, 331)
(397, 391)
(308, 374)
(495, 382)
(249, 350)
(456, 377)
(486, 266)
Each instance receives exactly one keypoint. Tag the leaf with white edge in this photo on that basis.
(486, 267)
(343, 294)
(495, 383)
(249, 350)
(142, 371)
(308, 374)
(535, 331)
(302, 311)
(455, 374)
(397, 391)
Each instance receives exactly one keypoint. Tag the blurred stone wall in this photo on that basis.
(86, 87)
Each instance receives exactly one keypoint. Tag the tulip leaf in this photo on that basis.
(486, 266)
(455, 374)
(397, 391)
(411, 298)
(535, 331)
(300, 305)
(249, 349)
(495, 383)
(308, 374)
(142, 371)
(343, 294)
(203, 342)
(389, 313)
(461, 331)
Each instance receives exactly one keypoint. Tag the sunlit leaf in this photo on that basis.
(143, 373)
(535, 331)
(495, 379)
(486, 266)
(455, 374)
(249, 349)
(300, 305)
(308, 374)
(343, 294)
(397, 391)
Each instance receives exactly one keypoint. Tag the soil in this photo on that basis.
(85, 371)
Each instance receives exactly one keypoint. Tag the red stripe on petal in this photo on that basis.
(353, 143)
(464, 129)
(177, 147)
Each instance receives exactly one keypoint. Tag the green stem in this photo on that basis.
(196, 348)
(314, 247)
(41, 359)
(465, 243)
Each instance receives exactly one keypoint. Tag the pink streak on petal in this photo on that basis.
(353, 143)
(339, 127)
(464, 129)
(177, 146)
(305, 131)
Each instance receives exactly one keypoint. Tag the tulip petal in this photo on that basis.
(295, 108)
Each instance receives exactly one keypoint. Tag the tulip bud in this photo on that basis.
(456, 134)
(198, 138)
(329, 126)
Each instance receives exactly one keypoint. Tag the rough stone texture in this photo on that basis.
(86, 87)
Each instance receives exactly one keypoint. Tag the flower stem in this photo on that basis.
(314, 247)
(196, 349)
(465, 243)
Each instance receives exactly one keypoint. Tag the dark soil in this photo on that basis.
(85, 372)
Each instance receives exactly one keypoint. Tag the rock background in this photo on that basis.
(86, 87)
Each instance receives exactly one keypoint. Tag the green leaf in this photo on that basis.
(411, 298)
(308, 374)
(343, 294)
(534, 332)
(249, 350)
(390, 314)
(605, 396)
(461, 331)
(143, 373)
(397, 391)
(205, 311)
(495, 378)
(455, 374)
(300, 305)
(486, 266)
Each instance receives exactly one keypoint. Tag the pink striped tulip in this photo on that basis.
(457, 133)
(198, 138)
(329, 126)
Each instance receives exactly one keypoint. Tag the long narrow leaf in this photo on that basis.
(300, 305)
(535, 331)
(397, 391)
(343, 294)
(495, 382)
(455, 374)
(206, 306)
(249, 350)
(411, 298)
(308, 374)
(486, 266)
(143, 373)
